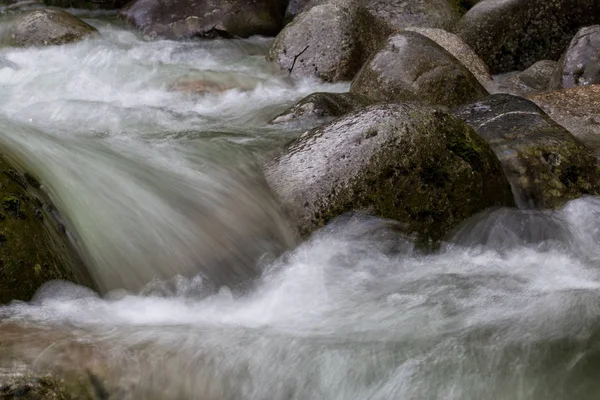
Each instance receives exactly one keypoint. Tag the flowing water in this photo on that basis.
(161, 190)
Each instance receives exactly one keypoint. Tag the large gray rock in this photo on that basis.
(44, 27)
(205, 18)
(318, 107)
(580, 65)
(411, 66)
(577, 109)
(534, 79)
(545, 164)
(34, 247)
(407, 162)
(331, 39)
(459, 49)
(511, 35)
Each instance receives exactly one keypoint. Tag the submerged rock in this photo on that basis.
(318, 106)
(406, 162)
(580, 65)
(205, 18)
(534, 79)
(34, 247)
(5, 63)
(577, 109)
(510, 35)
(411, 66)
(88, 4)
(44, 27)
(545, 164)
(459, 49)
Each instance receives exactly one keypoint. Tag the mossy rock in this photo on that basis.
(34, 247)
(47, 387)
(407, 162)
(43, 27)
(544, 162)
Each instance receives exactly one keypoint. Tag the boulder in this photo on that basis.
(353, 31)
(294, 8)
(577, 109)
(580, 65)
(545, 164)
(511, 35)
(88, 4)
(459, 49)
(329, 41)
(410, 66)
(44, 27)
(205, 18)
(318, 107)
(34, 247)
(407, 162)
(534, 79)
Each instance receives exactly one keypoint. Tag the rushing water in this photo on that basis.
(163, 183)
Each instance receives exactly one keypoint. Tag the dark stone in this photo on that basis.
(511, 35)
(88, 4)
(577, 109)
(205, 18)
(545, 164)
(317, 107)
(33, 250)
(534, 79)
(410, 66)
(580, 65)
(44, 27)
(332, 39)
(406, 162)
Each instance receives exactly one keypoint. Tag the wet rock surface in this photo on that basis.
(534, 79)
(407, 162)
(44, 27)
(580, 65)
(411, 66)
(544, 162)
(318, 107)
(205, 18)
(511, 35)
(577, 109)
(34, 247)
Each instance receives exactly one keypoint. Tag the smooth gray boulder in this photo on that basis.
(511, 35)
(545, 164)
(534, 79)
(580, 65)
(407, 162)
(410, 66)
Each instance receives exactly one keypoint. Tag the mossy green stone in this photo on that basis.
(33, 245)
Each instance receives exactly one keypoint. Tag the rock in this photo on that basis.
(411, 66)
(354, 30)
(5, 63)
(534, 79)
(205, 18)
(44, 27)
(88, 4)
(38, 387)
(406, 162)
(459, 49)
(319, 106)
(577, 109)
(301, 50)
(294, 8)
(545, 164)
(34, 247)
(511, 35)
(580, 65)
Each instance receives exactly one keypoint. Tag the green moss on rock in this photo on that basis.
(33, 246)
